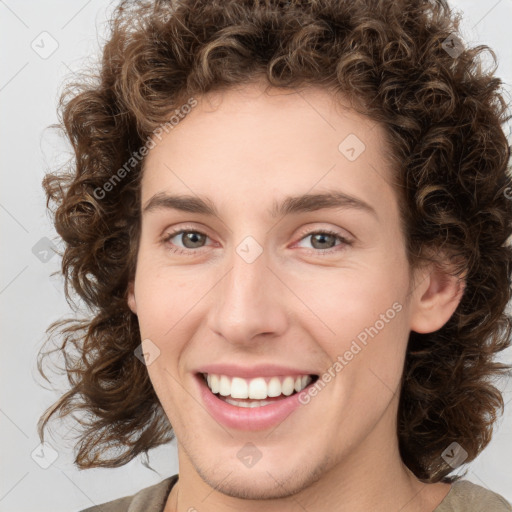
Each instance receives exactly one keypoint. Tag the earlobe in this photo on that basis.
(131, 298)
(435, 300)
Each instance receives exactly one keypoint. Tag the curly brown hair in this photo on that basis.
(443, 114)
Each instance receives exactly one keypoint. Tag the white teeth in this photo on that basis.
(254, 403)
(239, 388)
(287, 386)
(274, 387)
(257, 389)
(213, 383)
(224, 385)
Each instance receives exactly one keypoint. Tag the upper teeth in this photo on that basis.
(258, 388)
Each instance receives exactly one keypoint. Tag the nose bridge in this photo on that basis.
(247, 301)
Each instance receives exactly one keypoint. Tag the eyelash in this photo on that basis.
(179, 250)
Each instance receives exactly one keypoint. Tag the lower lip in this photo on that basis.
(247, 418)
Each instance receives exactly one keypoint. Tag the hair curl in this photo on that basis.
(443, 118)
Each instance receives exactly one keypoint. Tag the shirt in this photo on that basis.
(463, 496)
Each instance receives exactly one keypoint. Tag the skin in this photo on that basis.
(245, 148)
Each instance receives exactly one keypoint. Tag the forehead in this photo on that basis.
(252, 140)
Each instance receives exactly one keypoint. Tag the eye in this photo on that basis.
(325, 241)
(186, 241)
(191, 239)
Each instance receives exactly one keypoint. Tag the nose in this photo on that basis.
(248, 303)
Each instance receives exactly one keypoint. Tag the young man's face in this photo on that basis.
(249, 294)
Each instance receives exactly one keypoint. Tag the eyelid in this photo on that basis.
(178, 228)
(311, 230)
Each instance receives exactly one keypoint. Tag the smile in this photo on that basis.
(254, 392)
(256, 403)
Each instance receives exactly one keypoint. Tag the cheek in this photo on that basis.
(366, 369)
(362, 325)
(164, 297)
(344, 305)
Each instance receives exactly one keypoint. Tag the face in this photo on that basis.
(263, 290)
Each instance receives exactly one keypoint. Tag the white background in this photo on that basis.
(30, 299)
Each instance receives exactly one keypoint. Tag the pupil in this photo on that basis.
(194, 238)
(322, 237)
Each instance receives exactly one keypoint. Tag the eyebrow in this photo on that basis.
(290, 205)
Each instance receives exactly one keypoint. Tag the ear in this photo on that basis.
(131, 297)
(435, 299)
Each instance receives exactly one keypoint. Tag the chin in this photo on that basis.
(257, 487)
(261, 483)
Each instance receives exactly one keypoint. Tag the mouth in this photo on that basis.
(253, 404)
(255, 392)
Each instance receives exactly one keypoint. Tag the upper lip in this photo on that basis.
(248, 372)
